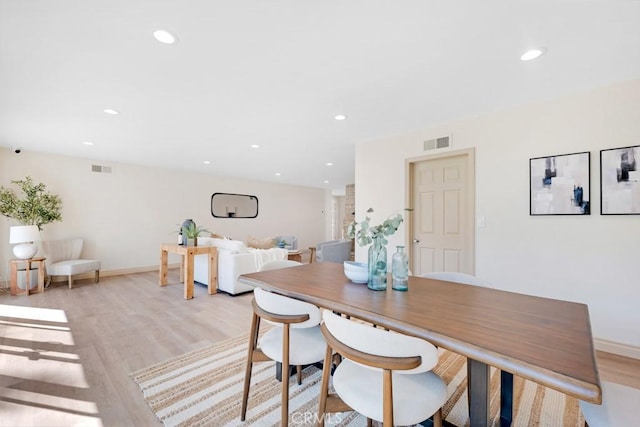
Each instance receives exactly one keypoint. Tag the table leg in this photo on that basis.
(14, 278)
(478, 389)
(164, 258)
(182, 270)
(292, 371)
(41, 274)
(212, 287)
(506, 398)
(27, 278)
(188, 279)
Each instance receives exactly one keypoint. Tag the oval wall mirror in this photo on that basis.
(228, 205)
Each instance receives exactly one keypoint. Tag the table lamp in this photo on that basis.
(24, 235)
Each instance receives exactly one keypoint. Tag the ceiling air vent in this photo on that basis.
(100, 169)
(433, 144)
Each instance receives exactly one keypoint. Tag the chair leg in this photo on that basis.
(253, 342)
(299, 374)
(387, 399)
(284, 416)
(97, 276)
(437, 418)
(369, 422)
(324, 387)
(70, 282)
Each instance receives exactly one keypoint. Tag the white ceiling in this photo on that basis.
(274, 73)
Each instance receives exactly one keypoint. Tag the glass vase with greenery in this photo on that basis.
(366, 234)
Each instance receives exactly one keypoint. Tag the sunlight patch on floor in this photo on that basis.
(33, 313)
(41, 373)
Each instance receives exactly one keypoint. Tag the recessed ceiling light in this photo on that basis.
(340, 117)
(532, 54)
(207, 162)
(277, 173)
(329, 164)
(164, 36)
(87, 142)
(111, 111)
(326, 182)
(255, 146)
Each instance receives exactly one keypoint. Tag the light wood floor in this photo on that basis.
(66, 355)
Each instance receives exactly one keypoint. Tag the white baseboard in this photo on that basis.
(617, 348)
(103, 273)
(107, 273)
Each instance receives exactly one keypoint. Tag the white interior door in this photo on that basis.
(442, 193)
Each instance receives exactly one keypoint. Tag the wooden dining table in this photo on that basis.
(544, 340)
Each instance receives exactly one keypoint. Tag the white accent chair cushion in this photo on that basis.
(64, 258)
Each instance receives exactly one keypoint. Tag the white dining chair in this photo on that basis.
(295, 339)
(383, 375)
(618, 408)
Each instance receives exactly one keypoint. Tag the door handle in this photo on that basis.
(416, 241)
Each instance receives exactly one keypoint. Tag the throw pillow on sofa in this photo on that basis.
(233, 246)
(267, 243)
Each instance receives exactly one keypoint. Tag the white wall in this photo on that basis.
(125, 215)
(590, 259)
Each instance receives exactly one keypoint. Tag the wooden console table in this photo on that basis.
(186, 266)
(27, 288)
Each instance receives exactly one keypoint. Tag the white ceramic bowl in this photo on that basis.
(357, 272)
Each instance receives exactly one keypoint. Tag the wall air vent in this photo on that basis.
(100, 169)
(433, 144)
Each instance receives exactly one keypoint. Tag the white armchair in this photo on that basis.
(334, 251)
(64, 259)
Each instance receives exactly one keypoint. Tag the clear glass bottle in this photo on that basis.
(400, 270)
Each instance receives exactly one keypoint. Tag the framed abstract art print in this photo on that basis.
(560, 185)
(620, 181)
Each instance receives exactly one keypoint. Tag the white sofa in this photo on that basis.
(234, 259)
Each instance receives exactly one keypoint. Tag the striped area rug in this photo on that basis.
(204, 388)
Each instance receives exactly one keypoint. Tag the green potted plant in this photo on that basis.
(192, 232)
(36, 207)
